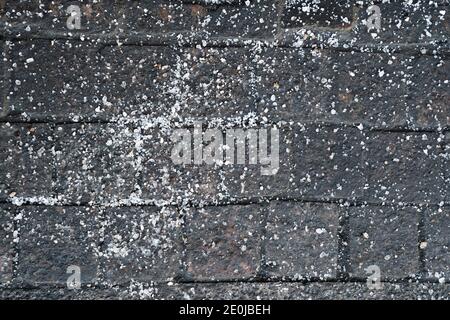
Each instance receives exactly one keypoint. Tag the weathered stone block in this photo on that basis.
(400, 22)
(437, 235)
(96, 162)
(327, 162)
(252, 180)
(3, 81)
(224, 243)
(326, 13)
(302, 240)
(27, 18)
(54, 80)
(75, 81)
(138, 80)
(386, 237)
(7, 249)
(403, 22)
(163, 179)
(255, 18)
(26, 161)
(381, 90)
(446, 166)
(142, 244)
(403, 167)
(278, 84)
(54, 238)
(214, 83)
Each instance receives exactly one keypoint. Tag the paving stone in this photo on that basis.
(2, 79)
(437, 243)
(137, 80)
(57, 293)
(315, 162)
(327, 162)
(96, 162)
(224, 243)
(404, 22)
(215, 83)
(27, 18)
(85, 81)
(446, 165)
(302, 240)
(256, 18)
(386, 237)
(394, 163)
(164, 179)
(52, 239)
(49, 79)
(326, 13)
(7, 249)
(254, 178)
(401, 22)
(142, 244)
(26, 162)
(299, 291)
(381, 90)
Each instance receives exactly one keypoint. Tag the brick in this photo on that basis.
(300, 291)
(86, 81)
(316, 162)
(302, 240)
(2, 80)
(386, 237)
(437, 231)
(142, 244)
(401, 22)
(7, 249)
(223, 243)
(394, 163)
(327, 162)
(326, 13)
(54, 238)
(279, 83)
(237, 19)
(138, 80)
(380, 90)
(51, 79)
(215, 82)
(428, 98)
(405, 22)
(162, 179)
(27, 18)
(130, 81)
(96, 162)
(246, 181)
(26, 166)
(446, 166)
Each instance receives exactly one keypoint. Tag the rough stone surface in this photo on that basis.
(52, 239)
(224, 243)
(395, 160)
(141, 244)
(90, 173)
(437, 242)
(7, 252)
(302, 240)
(386, 237)
(328, 162)
(26, 165)
(35, 17)
(94, 162)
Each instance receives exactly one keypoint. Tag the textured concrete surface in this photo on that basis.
(87, 178)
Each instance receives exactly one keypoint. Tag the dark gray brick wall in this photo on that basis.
(87, 178)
